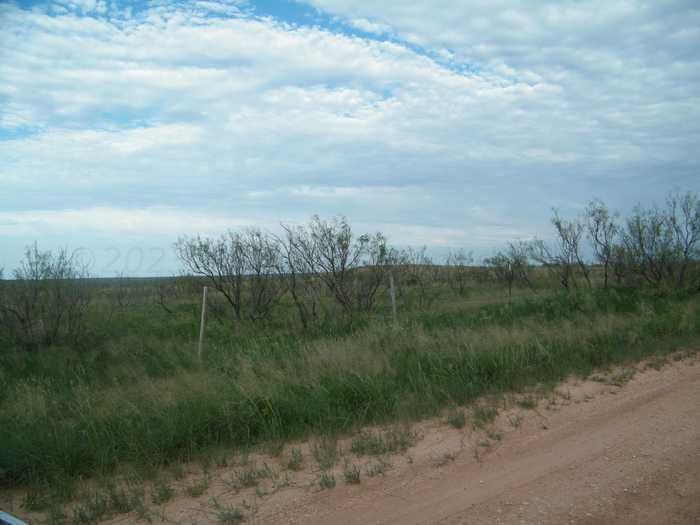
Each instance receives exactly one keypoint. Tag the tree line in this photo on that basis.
(324, 262)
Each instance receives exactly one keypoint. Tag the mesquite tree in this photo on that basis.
(243, 266)
(47, 300)
(511, 266)
(565, 258)
(602, 232)
(661, 245)
(353, 269)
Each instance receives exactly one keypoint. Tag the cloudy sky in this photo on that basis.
(443, 123)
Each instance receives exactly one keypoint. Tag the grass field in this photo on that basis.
(134, 395)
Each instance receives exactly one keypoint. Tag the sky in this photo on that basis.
(449, 124)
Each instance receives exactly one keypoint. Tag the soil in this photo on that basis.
(600, 454)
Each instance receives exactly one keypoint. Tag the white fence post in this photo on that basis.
(201, 323)
(393, 295)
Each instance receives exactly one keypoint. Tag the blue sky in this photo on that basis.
(448, 124)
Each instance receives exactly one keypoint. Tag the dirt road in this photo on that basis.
(619, 448)
(602, 454)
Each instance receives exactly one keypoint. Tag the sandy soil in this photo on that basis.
(601, 454)
(622, 447)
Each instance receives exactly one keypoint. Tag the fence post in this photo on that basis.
(392, 291)
(201, 323)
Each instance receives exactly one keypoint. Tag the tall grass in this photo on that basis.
(144, 399)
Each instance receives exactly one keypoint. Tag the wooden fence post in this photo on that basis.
(392, 291)
(201, 323)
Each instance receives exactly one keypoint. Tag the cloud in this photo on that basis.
(204, 109)
(104, 220)
(368, 26)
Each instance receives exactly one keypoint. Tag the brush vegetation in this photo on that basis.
(309, 351)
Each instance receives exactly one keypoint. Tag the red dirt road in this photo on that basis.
(619, 455)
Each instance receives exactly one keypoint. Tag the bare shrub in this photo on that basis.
(352, 268)
(661, 244)
(458, 266)
(47, 300)
(263, 264)
(603, 231)
(416, 271)
(244, 267)
(304, 285)
(565, 259)
(511, 267)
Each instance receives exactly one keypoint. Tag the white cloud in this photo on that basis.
(155, 221)
(229, 117)
(368, 26)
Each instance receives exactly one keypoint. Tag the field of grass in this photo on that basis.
(135, 396)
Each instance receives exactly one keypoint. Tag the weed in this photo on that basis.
(621, 376)
(221, 460)
(275, 448)
(250, 476)
(527, 402)
(515, 420)
(657, 362)
(197, 489)
(378, 468)
(177, 471)
(495, 435)
(296, 460)
(36, 500)
(206, 461)
(351, 473)
(375, 443)
(325, 452)
(244, 458)
(227, 514)
(483, 416)
(565, 395)
(280, 481)
(456, 419)
(125, 498)
(162, 492)
(56, 515)
(444, 459)
(683, 354)
(246, 478)
(617, 377)
(91, 510)
(326, 480)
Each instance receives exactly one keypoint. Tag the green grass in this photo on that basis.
(378, 468)
(351, 473)
(482, 416)
(456, 419)
(249, 477)
(325, 452)
(374, 443)
(162, 492)
(295, 461)
(227, 514)
(195, 490)
(326, 480)
(527, 402)
(141, 397)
